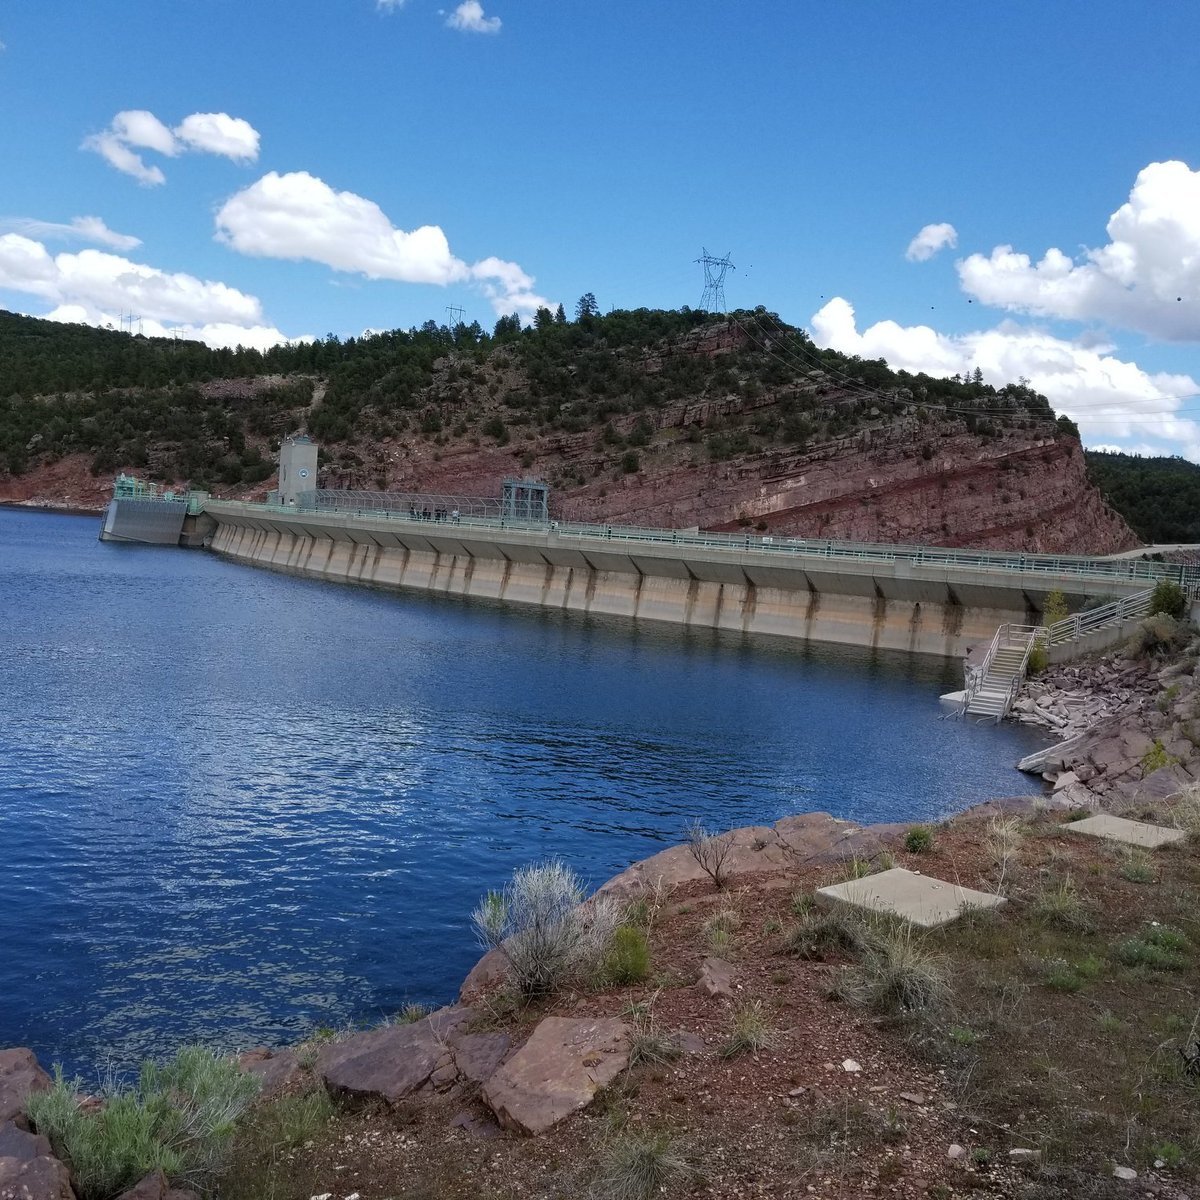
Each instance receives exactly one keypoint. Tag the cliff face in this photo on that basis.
(1008, 492)
(645, 418)
(1011, 492)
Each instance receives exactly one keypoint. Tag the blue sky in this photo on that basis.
(547, 147)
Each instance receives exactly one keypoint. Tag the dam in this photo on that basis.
(916, 599)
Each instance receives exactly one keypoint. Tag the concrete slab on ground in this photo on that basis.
(1130, 833)
(919, 899)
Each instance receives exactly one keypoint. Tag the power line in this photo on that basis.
(715, 270)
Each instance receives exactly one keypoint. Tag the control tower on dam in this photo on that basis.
(926, 600)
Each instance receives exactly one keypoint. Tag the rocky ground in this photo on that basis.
(1128, 725)
(1050, 1067)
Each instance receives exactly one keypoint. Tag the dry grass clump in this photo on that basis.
(1060, 904)
(638, 1167)
(822, 931)
(719, 929)
(896, 974)
(1185, 812)
(1002, 843)
(752, 1030)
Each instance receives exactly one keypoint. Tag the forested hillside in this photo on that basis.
(1159, 497)
(661, 417)
(147, 404)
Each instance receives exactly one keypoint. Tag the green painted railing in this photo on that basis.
(1120, 571)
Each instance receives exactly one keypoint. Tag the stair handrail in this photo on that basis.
(1033, 635)
(1080, 624)
(973, 679)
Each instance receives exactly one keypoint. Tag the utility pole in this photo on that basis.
(715, 270)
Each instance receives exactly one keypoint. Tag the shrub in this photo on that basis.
(1153, 635)
(293, 1120)
(1157, 757)
(1168, 598)
(1038, 659)
(1137, 867)
(1159, 947)
(637, 1168)
(919, 839)
(542, 927)
(751, 1030)
(630, 462)
(628, 959)
(178, 1117)
(1054, 607)
(710, 852)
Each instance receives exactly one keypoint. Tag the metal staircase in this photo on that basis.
(992, 687)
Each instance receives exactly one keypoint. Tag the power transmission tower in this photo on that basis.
(715, 270)
(457, 315)
(127, 320)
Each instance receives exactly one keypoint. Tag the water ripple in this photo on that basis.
(235, 804)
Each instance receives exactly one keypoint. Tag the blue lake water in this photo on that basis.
(235, 805)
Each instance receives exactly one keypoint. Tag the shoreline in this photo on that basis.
(46, 506)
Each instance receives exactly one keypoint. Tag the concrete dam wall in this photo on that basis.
(904, 605)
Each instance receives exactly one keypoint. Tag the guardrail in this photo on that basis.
(1119, 571)
(1070, 629)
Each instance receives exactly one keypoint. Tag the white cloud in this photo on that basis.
(143, 129)
(468, 17)
(219, 334)
(84, 229)
(137, 129)
(95, 288)
(298, 216)
(388, 6)
(1111, 399)
(119, 155)
(1146, 278)
(930, 240)
(219, 133)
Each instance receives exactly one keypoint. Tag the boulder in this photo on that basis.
(16, 1142)
(20, 1074)
(28, 1168)
(716, 978)
(156, 1186)
(559, 1070)
(486, 975)
(41, 1178)
(275, 1069)
(392, 1062)
(478, 1055)
(153, 1187)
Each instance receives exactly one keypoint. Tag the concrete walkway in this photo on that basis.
(916, 898)
(1128, 833)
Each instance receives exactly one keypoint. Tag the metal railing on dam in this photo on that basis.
(1126, 571)
(920, 599)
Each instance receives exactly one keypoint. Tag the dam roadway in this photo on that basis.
(924, 600)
